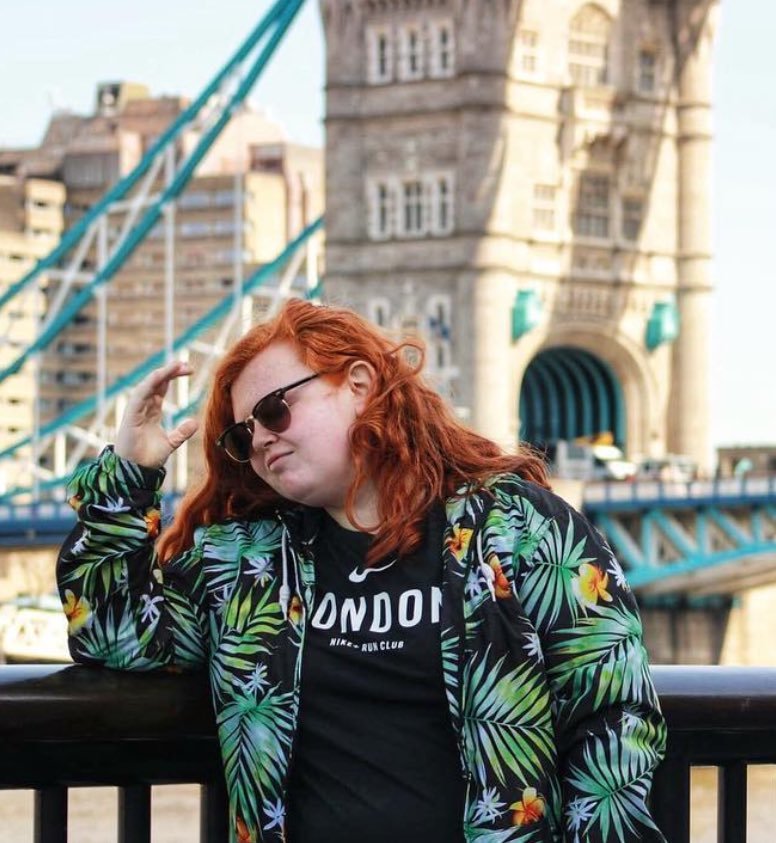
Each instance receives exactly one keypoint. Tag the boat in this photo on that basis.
(33, 629)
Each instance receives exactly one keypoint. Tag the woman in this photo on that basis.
(408, 636)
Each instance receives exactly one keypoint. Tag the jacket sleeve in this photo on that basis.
(610, 731)
(124, 609)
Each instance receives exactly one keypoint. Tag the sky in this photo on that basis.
(53, 54)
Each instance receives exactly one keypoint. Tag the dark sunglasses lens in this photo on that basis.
(273, 414)
(238, 442)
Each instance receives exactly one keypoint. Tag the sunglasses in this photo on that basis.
(271, 412)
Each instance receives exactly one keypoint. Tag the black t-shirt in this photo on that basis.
(375, 757)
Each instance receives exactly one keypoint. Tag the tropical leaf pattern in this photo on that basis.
(547, 680)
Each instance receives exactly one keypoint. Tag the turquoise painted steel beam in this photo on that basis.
(124, 185)
(648, 537)
(728, 527)
(569, 425)
(549, 397)
(585, 402)
(627, 549)
(533, 393)
(152, 215)
(641, 577)
(756, 518)
(597, 381)
(676, 534)
(609, 394)
(702, 531)
(212, 317)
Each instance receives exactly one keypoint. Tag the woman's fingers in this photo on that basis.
(185, 430)
(156, 382)
(141, 436)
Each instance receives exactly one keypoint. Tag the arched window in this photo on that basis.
(438, 332)
(379, 311)
(589, 47)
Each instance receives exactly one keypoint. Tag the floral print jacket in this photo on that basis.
(548, 685)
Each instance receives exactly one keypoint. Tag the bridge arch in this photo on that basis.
(568, 392)
(644, 391)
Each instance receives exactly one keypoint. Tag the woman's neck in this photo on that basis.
(365, 512)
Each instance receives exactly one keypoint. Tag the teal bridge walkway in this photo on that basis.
(691, 539)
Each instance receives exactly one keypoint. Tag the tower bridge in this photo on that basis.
(525, 188)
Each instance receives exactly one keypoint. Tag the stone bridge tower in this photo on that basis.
(526, 184)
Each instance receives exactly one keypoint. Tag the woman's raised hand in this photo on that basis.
(141, 437)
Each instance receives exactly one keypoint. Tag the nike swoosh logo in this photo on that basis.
(359, 576)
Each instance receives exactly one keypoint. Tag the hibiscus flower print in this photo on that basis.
(78, 612)
(459, 541)
(530, 809)
(591, 584)
(244, 834)
(153, 520)
(500, 582)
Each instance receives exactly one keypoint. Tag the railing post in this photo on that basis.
(671, 799)
(134, 814)
(213, 813)
(51, 815)
(731, 803)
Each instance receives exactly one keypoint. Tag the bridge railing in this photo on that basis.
(727, 491)
(63, 727)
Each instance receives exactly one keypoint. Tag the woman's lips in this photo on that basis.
(271, 460)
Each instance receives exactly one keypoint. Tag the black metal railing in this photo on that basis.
(73, 726)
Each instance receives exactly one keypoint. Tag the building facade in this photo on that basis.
(526, 184)
(31, 222)
(252, 193)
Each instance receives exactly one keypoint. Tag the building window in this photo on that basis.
(647, 78)
(442, 204)
(438, 312)
(592, 217)
(193, 229)
(442, 40)
(527, 51)
(380, 199)
(412, 208)
(411, 53)
(223, 198)
(380, 55)
(383, 210)
(417, 207)
(544, 207)
(589, 47)
(632, 216)
(379, 312)
(196, 199)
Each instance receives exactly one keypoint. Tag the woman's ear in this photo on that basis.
(360, 379)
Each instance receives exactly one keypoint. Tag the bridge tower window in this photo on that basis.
(411, 53)
(380, 49)
(379, 312)
(632, 216)
(412, 207)
(442, 44)
(544, 207)
(593, 205)
(589, 47)
(647, 71)
(528, 52)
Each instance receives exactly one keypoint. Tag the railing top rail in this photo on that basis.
(641, 493)
(77, 703)
(73, 702)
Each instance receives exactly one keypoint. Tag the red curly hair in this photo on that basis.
(406, 441)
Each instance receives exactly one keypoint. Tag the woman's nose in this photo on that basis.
(262, 438)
